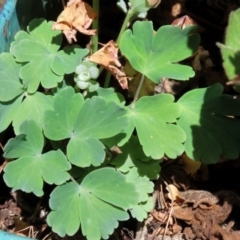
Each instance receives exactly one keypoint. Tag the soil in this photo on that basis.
(200, 204)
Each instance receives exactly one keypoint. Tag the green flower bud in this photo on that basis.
(83, 85)
(86, 70)
(94, 85)
(94, 72)
(84, 76)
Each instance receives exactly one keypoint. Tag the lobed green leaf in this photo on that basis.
(157, 55)
(32, 107)
(32, 167)
(210, 132)
(132, 155)
(98, 203)
(44, 64)
(84, 123)
(11, 86)
(153, 117)
(8, 111)
(231, 49)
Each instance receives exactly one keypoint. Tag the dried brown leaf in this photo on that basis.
(107, 56)
(77, 16)
(172, 192)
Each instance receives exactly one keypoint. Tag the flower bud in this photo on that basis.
(183, 22)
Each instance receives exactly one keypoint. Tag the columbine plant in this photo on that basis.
(66, 124)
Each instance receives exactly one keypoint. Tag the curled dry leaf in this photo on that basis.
(77, 16)
(172, 192)
(107, 56)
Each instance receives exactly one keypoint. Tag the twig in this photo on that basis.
(3, 165)
(233, 82)
(162, 197)
(47, 236)
(63, 3)
(171, 209)
(1, 146)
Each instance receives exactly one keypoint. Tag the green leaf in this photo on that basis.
(33, 107)
(231, 50)
(32, 167)
(210, 132)
(140, 211)
(29, 141)
(84, 122)
(8, 111)
(65, 201)
(11, 86)
(59, 123)
(153, 117)
(98, 203)
(109, 95)
(139, 6)
(156, 55)
(44, 64)
(132, 156)
(144, 187)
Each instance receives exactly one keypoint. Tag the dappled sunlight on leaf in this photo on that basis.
(84, 126)
(44, 57)
(32, 166)
(154, 118)
(205, 120)
(98, 203)
(156, 55)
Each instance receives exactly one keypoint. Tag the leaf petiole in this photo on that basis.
(95, 26)
(129, 15)
(138, 91)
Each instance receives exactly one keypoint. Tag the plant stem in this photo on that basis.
(107, 80)
(125, 24)
(63, 3)
(138, 91)
(123, 28)
(73, 180)
(95, 26)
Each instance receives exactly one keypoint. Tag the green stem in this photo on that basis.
(95, 26)
(125, 24)
(73, 180)
(123, 28)
(138, 91)
(107, 80)
(76, 88)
